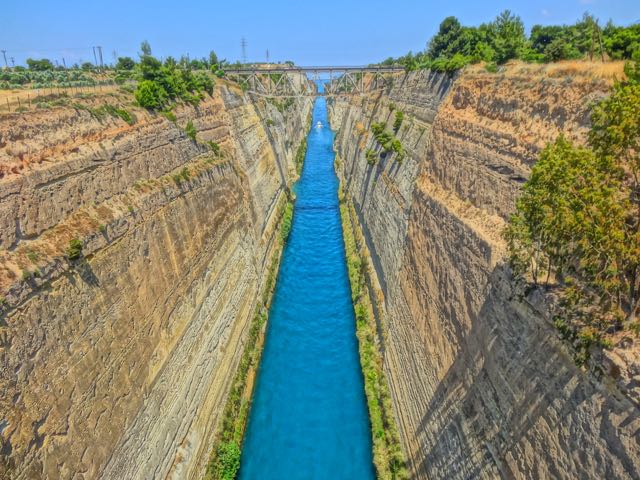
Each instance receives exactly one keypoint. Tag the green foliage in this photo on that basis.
(161, 83)
(622, 42)
(388, 141)
(228, 461)
(491, 67)
(282, 105)
(578, 217)
(190, 130)
(225, 458)
(287, 222)
(371, 156)
(503, 39)
(120, 113)
(150, 95)
(169, 115)
(125, 63)
(300, 154)
(39, 65)
(215, 148)
(74, 250)
(397, 123)
(388, 457)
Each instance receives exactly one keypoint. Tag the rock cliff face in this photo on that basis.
(482, 385)
(117, 365)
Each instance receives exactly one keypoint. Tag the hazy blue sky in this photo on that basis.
(307, 32)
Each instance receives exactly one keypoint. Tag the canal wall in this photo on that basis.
(117, 364)
(481, 382)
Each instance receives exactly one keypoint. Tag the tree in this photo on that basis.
(125, 63)
(543, 35)
(615, 135)
(39, 65)
(87, 66)
(622, 42)
(145, 49)
(213, 59)
(508, 36)
(579, 213)
(448, 34)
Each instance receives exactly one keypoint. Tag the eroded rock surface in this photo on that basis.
(118, 365)
(482, 385)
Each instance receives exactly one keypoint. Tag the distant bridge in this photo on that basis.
(286, 81)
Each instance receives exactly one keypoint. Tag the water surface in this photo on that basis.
(309, 419)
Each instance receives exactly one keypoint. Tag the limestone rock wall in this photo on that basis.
(118, 365)
(482, 386)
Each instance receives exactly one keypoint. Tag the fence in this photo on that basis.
(27, 99)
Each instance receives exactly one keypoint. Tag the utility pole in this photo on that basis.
(243, 44)
(64, 63)
(267, 55)
(13, 61)
(4, 54)
(95, 59)
(100, 56)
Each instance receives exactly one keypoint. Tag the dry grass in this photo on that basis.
(607, 71)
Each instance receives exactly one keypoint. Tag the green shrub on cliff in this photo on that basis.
(577, 222)
(287, 221)
(371, 156)
(300, 154)
(190, 130)
(228, 461)
(74, 250)
(150, 95)
(397, 123)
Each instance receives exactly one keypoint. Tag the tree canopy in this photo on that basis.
(578, 218)
(504, 39)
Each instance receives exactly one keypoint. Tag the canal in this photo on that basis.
(309, 416)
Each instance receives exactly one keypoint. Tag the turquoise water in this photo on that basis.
(309, 416)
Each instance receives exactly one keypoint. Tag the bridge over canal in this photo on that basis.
(285, 81)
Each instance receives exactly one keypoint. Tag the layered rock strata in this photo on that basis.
(482, 385)
(117, 364)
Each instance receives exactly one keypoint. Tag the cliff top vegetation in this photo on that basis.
(504, 39)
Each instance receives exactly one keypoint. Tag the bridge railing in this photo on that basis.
(314, 69)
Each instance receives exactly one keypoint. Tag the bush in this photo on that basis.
(287, 220)
(125, 63)
(215, 148)
(190, 130)
(228, 461)
(74, 251)
(150, 95)
(371, 156)
(397, 123)
(491, 67)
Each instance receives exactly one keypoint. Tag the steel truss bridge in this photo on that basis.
(293, 81)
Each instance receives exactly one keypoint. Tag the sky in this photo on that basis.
(338, 32)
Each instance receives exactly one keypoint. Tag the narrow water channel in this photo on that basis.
(309, 416)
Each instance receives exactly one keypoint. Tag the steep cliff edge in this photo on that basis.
(481, 383)
(118, 364)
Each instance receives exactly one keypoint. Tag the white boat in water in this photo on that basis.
(319, 125)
